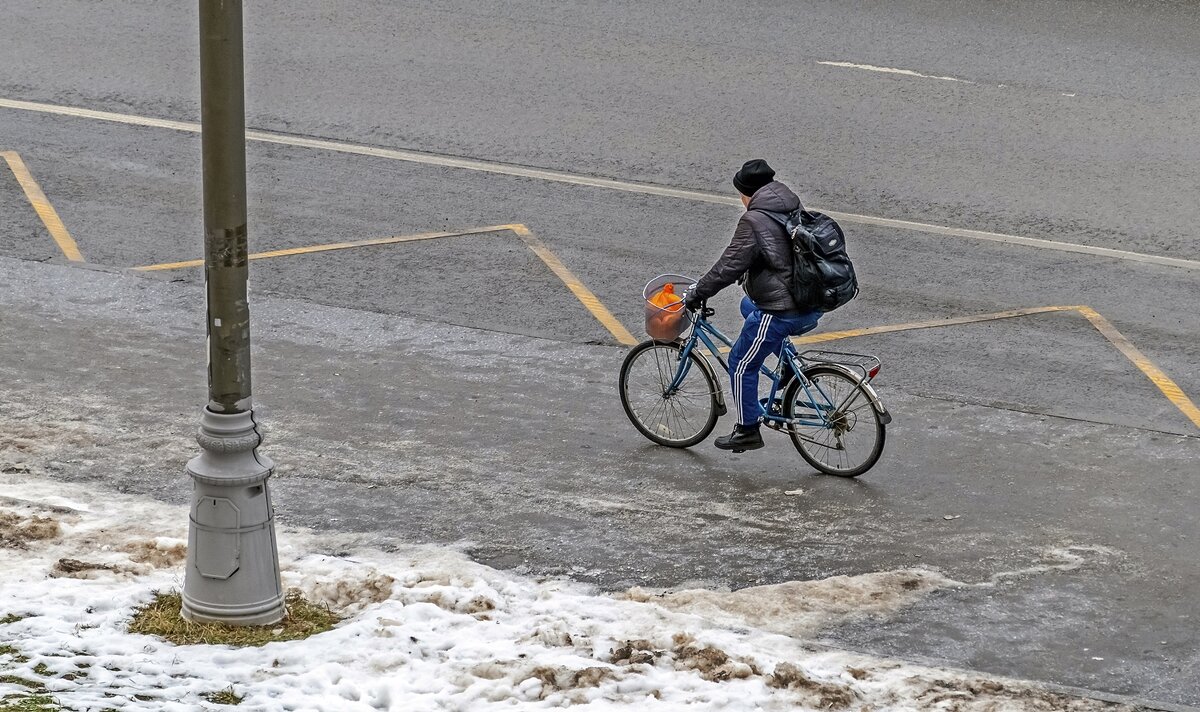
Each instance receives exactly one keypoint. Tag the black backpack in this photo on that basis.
(822, 275)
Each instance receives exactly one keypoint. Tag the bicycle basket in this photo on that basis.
(666, 323)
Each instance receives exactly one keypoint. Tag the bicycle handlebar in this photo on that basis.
(704, 310)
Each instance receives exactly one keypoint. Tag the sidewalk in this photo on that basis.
(514, 449)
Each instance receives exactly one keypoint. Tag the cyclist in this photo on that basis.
(760, 258)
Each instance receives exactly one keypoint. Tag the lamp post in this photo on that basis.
(232, 571)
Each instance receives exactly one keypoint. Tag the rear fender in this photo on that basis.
(884, 416)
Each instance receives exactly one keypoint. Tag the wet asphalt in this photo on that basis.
(1073, 539)
(454, 391)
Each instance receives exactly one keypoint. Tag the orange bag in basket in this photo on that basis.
(665, 323)
(666, 299)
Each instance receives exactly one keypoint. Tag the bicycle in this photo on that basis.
(670, 391)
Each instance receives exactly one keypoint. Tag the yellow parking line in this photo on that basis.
(912, 325)
(332, 246)
(931, 324)
(43, 207)
(1161, 380)
(582, 293)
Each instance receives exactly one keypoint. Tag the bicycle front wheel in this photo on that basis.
(841, 433)
(678, 418)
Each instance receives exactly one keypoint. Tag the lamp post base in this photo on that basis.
(232, 573)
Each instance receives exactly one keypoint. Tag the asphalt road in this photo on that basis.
(1074, 124)
(1073, 541)
(1063, 121)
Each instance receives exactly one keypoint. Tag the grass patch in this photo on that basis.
(12, 618)
(31, 684)
(16, 654)
(161, 618)
(224, 697)
(28, 703)
(42, 669)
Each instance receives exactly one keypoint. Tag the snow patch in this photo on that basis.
(428, 629)
(800, 608)
(16, 530)
(160, 552)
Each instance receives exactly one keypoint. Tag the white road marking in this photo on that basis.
(893, 70)
(1019, 240)
(434, 159)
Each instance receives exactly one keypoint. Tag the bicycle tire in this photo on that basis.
(662, 369)
(847, 418)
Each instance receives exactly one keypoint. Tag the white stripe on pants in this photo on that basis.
(740, 371)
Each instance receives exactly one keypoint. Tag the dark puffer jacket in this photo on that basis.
(760, 251)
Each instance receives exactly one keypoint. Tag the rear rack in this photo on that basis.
(860, 363)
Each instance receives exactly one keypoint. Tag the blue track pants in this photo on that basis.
(762, 335)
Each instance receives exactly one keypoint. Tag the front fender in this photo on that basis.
(722, 409)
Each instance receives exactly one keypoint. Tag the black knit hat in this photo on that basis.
(754, 175)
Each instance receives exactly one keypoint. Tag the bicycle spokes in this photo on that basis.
(833, 422)
(671, 398)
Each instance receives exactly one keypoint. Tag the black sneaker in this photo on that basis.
(741, 439)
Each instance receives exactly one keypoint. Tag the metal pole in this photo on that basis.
(232, 571)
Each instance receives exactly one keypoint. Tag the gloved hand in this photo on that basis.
(690, 301)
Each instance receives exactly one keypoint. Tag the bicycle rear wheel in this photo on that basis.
(849, 439)
(678, 419)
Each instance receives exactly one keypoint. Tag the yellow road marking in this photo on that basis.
(332, 246)
(1163, 382)
(43, 207)
(931, 324)
(434, 159)
(910, 326)
(582, 293)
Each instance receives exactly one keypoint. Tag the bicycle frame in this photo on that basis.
(704, 332)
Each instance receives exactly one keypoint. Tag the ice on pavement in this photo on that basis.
(427, 629)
